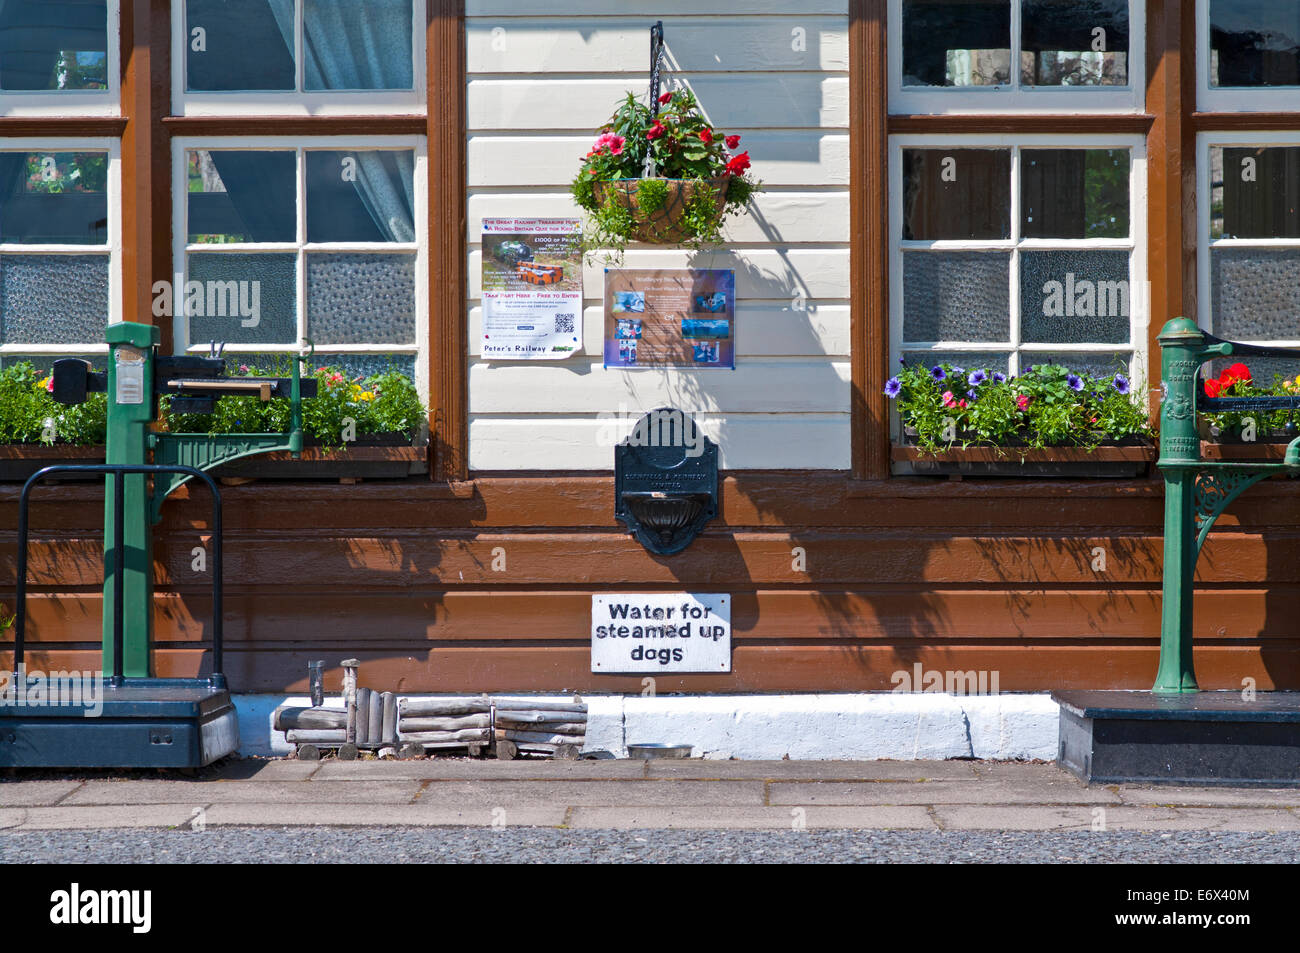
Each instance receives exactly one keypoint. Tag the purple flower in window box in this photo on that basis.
(1121, 384)
(893, 387)
(1074, 382)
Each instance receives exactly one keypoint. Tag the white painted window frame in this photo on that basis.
(387, 102)
(1233, 98)
(112, 249)
(1012, 97)
(1139, 284)
(1205, 243)
(181, 248)
(38, 103)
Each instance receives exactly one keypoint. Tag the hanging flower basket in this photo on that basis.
(659, 212)
(660, 174)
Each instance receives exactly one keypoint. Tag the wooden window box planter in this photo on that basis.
(1126, 459)
(370, 457)
(18, 461)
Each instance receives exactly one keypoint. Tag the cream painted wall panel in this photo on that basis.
(763, 329)
(644, 8)
(780, 158)
(782, 274)
(730, 100)
(745, 441)
(774, 217)
(693, 44)
(582, 386)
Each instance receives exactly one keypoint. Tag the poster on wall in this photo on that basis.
(670, 317)
(532, 289)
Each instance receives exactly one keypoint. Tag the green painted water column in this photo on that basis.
(131, 409)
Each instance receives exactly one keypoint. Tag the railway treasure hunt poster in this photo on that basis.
(532, 289)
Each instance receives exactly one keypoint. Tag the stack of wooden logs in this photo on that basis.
(368, 725)
(539, 726)
(446, 722)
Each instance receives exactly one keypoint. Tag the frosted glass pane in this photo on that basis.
(956, 296)
(53, 299)
(361, 299)
(54, 198)
(1074, 42)
(246, 299)
(351, 45)
(246, 45)
(967, 360)
(1098, 365)
(956, 42)
(54, 45)
(1255, 293)
(1075, 297)
(354, 365)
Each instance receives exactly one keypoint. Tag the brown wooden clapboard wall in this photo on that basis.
(469, 582)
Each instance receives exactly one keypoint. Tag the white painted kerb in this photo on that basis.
(866, 727)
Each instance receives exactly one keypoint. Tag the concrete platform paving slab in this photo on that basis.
(818, 770)
(219, 792)
(487, 770)
(592, 793)
(105, 817)
(385, 815)
(750, 818)
(1005, 792)
(1173, 795)
(35, 793)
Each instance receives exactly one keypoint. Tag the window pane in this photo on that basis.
(1254, 42)
(239, 45)
(1074, 43)
(956, 193)
(53, 299)
(1074, 193)
(966, 360)
(54, 198)
(956, 296)
(241, 196)
(361, 299)
(1255, 293)
(1255, 192)
(351, 45)
(361, 196)
(956, 42)
(54, 45)
(1102, 365)
(1074, 297)
(242, 299)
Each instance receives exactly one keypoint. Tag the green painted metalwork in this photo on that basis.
(1196, 491)
(132, 409)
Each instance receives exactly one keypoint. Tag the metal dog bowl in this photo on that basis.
(647, 752)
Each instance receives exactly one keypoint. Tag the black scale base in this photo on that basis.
(1207, 738)
(144, 723)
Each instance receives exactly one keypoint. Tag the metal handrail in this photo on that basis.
(119, 471)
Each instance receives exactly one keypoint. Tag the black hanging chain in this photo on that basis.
(656, 59)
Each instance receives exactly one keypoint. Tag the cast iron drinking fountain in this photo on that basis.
(666, 481)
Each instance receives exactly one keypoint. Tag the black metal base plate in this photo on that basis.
(145, 723)
(1207, 738)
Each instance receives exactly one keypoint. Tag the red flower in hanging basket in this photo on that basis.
(664, 97)
(655, 131)
(738, 164)
(732, 141)
(706, 135)
(1212, 387)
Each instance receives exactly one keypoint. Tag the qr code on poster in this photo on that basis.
(563, 323)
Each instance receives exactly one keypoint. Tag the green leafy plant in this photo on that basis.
(679, 148)
(1048, 405)
(30, 414)
(381, 403)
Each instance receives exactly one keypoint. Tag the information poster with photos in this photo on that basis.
(532, 289)
(670, 318)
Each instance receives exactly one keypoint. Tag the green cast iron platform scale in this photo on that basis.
(133, 718)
